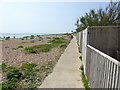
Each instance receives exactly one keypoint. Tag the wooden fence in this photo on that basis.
(101, 70)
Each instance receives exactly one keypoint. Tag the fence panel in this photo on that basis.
(102, 70)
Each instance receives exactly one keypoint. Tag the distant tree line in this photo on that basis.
(108, 17)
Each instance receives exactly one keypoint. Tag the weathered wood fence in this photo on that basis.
(102, 70)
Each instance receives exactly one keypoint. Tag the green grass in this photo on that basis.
(39, 48)
(20, 46)
(17, 47)
(26, 37)
(55, 41)
(6, 47)
(80, 58)
(24, 42)
(4, 67)
(63, 46)
(14, 48)
(58, 40)
(22, 38)
(84, 80)
(32, 41)
(28, 72)
(48, 37)
(1, 40)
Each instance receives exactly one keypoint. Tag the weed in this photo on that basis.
(28, 66)
(57, 38)
(26, 37)
(14, 48)
(38, 48)
(24, 42)
(14, 73)
(32, 41)
(4, 67)
(80, 58)
(48, 37)
(6, 47)
(8, 85)
(1, 40)
(82, 68)
(22, 38)
(84, 80)
(55, 41)
(63, 46)
(32, 37)
(20, 46)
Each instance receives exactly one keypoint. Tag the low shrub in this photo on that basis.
(28, 66)
(63, 46)
(82, 68)
(32, 41)
(6, 47)
(48, 37)
(1, 40)
(57, 38)
(80, 58)
(32, 37)
(14, 48)
(22, 38)
(14, 73)
(55, 41)
(38, 48)
(20, 46)
(27, 72)
(26, 37)
(4, 67)
(24, 42)
(9, 85)
(40, 38)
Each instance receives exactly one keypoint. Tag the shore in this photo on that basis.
(16, 57)
(14, 50)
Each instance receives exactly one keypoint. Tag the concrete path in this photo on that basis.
(66, 73)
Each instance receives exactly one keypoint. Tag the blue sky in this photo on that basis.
(43, 17)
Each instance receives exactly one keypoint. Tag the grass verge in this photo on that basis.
(84, 80)
(80, 58)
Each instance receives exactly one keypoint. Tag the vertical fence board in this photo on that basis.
(116, 79)
(119, 78)
(113, 79)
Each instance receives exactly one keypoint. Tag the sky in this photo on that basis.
(43, 17)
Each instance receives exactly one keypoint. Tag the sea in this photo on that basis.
(19, 35)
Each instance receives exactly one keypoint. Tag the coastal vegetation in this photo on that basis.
(27, 73)
(55, 42)
(100, 17)
(20, 46)
(32, 41)
(1, 40)
(6, 47)
(84, 79)
(38, 48)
